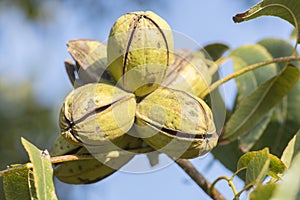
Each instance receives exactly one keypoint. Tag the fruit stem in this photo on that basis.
(230, 183)
(66, 158)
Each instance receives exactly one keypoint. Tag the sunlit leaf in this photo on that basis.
(279, 8)
(251, 54)
(31, 185)
(276, 166)
(16, 185)
(247, 82)
(245, 159)
(258, 167)
(263, 192)
(292, 149)
(290, 186)
(254, 107)
(42, 171)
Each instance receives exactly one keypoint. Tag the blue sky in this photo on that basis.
(35, 52)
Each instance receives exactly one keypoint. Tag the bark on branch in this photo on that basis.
(199, 179)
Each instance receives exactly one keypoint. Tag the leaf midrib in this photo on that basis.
(257, 105)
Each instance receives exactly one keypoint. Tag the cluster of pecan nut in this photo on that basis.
(131, 93)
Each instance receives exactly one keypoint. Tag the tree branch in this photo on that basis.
(199, 179)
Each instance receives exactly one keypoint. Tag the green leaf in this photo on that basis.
(245, 159)
(290, 186)
(42, 171)
(276, 165)
(16, 185)
(284, 125)
(279, 8)
(215, 50)
(258, 167)
(251, 54)
(292, 149)
(254, 107)
(263, 192)
(279, 48)
(276, 137)
(245, 83)
(285, 121)
(248, 140)
(31, 186)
